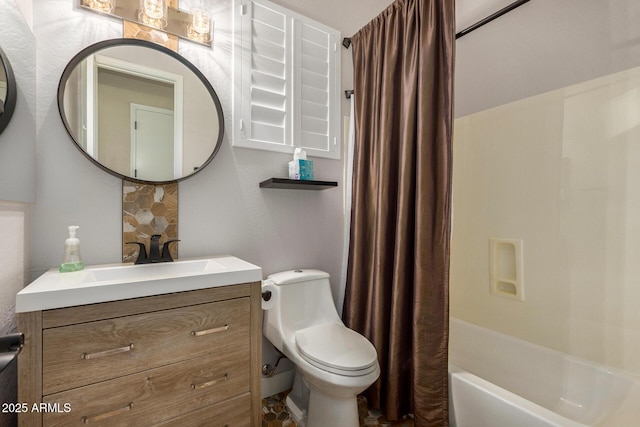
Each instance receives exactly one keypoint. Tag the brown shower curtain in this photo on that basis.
(398, 273)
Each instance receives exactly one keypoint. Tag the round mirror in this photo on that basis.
(7, 91)
(140, 111)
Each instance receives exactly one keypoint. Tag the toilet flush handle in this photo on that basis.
(266, 295)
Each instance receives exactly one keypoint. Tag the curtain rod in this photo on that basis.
(346, 42)
(490, 18)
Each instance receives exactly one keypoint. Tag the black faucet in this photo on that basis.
(154, 247)
(154, 251)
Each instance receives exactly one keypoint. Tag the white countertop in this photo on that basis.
(112, 282)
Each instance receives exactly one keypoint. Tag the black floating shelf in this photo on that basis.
(293, 184)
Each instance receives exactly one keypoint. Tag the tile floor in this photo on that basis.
(274, 414)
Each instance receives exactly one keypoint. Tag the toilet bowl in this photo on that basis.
(333, 363)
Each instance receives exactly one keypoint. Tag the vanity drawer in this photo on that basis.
(157, 395)
(86, 353)
(230, 413)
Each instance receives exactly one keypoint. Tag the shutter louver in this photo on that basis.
(268, 90)
(314, 88)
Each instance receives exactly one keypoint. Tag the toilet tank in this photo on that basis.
(304, 300)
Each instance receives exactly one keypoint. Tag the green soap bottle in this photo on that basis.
(72, 260)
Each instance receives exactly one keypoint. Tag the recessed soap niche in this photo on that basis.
(505, 268)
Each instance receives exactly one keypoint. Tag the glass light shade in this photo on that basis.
(155, 9)
(153, 13)
(200, 21)
(101, 5)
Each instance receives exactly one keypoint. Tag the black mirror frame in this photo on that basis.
(12, 90)
(143, 43)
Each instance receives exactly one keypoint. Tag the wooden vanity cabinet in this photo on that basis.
(185, 359)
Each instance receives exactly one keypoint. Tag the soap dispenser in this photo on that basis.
(72, 260)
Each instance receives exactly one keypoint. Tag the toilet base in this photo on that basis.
(311, 407)
(298, 399)
(298, 414)
(325, 410)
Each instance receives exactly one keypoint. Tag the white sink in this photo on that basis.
(130, 272)
(103, 283)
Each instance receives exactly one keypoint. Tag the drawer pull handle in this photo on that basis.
(210, 383)
(87, 420)
(107, 352)
(209, 331)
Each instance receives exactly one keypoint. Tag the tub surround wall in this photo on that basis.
(559, 171)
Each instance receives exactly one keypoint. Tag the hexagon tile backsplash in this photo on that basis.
(148, 209)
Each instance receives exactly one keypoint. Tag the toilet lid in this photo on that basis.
(336, 348)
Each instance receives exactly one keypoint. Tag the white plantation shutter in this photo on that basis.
(267, 74)
(315, 90)
(287, 89)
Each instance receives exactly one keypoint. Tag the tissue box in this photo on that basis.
(301, 169)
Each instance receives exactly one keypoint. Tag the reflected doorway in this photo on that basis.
(152, 147)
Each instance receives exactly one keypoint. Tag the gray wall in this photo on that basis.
(18, 141)
(17, 181)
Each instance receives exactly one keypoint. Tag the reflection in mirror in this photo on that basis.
(8, 91)
(3, 88)
(140, 111)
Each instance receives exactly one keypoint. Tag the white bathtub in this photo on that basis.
(500, 381)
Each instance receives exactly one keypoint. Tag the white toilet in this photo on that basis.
(333, 363)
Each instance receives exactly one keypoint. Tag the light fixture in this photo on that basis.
(195, 26)
(200, 27)
(153, 13)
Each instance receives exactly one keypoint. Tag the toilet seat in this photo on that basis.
(337, 349)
